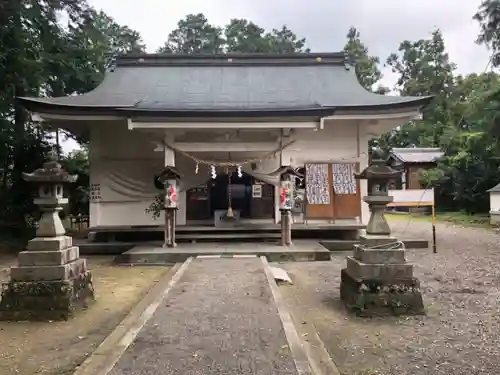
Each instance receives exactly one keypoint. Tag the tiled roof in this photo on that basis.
(495, 189)
(417, 155)
(233, 82)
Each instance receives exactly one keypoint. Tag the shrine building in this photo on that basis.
(226, 122)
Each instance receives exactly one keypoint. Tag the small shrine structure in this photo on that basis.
(51, 281)
(377, 279)
(226, 122)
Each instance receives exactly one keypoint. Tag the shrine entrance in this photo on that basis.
(249, 199)
(239, 193)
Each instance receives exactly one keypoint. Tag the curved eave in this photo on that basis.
(258, 112)
(413, 102)
(47, 106)
(42, 107)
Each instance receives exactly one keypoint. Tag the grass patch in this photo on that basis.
(458, 218)
(56, 348)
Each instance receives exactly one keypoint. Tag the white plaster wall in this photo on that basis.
(494, 208)
(425, 197)
(337, 142)
(123, 162)
(495, 201)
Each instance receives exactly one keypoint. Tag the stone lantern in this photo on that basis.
(51, 280)
(377, 279)
(286, 201)
(170, 177)
(378, 175)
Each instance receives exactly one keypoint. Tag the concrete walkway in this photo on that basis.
(220, 318)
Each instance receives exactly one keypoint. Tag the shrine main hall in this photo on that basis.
(227, 123)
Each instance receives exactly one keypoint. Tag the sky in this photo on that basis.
(383, 24)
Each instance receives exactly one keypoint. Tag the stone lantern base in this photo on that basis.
(379, 282)
(51, 282)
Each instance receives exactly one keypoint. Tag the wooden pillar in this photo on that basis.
(170, 228)
(286, 227)
(170, 180)
(286, 194)
(286, 205)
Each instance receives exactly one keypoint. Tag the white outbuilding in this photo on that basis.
(495, 204)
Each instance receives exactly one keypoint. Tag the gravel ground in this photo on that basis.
(220, 318)
(460, 285)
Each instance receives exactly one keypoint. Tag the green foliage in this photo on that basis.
(77, 163)
(157, 206)
(463, 119)
(367, 67)
(488, 16)
(194, 34)
(460, 120)
(39, 55)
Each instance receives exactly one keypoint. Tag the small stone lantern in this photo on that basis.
(378, 174)
(286, 201)
(377, 279)
(170, 177)
(51, 280)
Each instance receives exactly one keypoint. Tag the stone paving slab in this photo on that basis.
(301, 250)
(219, 319)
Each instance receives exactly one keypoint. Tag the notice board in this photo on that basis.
(318, 197)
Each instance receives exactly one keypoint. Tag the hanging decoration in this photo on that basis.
(196, 169)
(286, 195)
(171, 194)
(229, 216)
(230, 163)
(240, 173)
(213, 172)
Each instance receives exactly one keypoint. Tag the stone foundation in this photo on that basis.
(376, 297)
(46, 300)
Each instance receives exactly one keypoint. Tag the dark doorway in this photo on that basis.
(241, 193)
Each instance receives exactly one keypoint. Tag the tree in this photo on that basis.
(488, 16)
(424, 68)
(461, 120)
(77, 162)
(367, 67)
(39, 56)
(29, 30)
(241, 35)
(285, 41)
(472, 163)
(91, 46)
(369, 76)
(194, 34)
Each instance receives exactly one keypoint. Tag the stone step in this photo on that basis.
(299, 251)
(204, 236)
(339, 245)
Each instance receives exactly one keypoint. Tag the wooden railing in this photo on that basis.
(76, 223)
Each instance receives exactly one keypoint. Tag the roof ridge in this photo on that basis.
(416, 149)
(233, 59)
